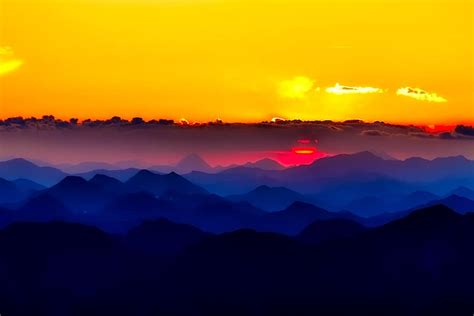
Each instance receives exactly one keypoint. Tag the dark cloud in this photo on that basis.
(465, 130)
(446, 135)
(422, 135)
(372, 132)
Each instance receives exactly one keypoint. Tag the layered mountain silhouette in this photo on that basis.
(265, 164)
(421, 262)
(464, 192)
(193, 162)
(348, 234)
(23, 169)
(81, 195)
(376, 205)
(270, 198)
(85, 167)
(119, 174)
(17, 190)
(297, 216)
(367, 172)
(455, 202)
(158, 184)
(403, 265)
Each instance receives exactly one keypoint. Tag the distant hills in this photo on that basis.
(361, 187)
(194, 162)
(158, 184)
(364, 171)
(269, 198)
(23, 169)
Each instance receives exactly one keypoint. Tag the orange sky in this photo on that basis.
(240, 60)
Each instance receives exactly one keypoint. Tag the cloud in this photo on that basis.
(340, 89)
(295, 88)
(420, 94)
(373, 132)
(465, 130)
(8, 62)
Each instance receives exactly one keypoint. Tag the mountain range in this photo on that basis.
(348, 234)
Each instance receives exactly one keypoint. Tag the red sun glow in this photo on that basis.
(304, 151)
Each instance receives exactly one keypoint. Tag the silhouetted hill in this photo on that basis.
(417, 265)
(217, 215)
(193, 162)
(17, 190)
(43, 207)
(80, 195)
(296, 217)
(335, 229)
(358, 175)
(417, 198)
(237, 180)
(269, 198)
(455, 202)
(367, 206)
(119, 174)
(108, 184)
(42, 260)
(265, 164)
(380, 206)
(23, 169)
(28, 185)
(85, 166)
(163, 237)
(9, 192)
(464, 192)
(412, 169)
(157, 184)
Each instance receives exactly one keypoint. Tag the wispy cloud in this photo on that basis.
(8, 61)
(295, 88)
(420, 94)
(340, 89)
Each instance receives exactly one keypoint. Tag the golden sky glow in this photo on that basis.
(295, 88)
(240, 60)
(8, 63)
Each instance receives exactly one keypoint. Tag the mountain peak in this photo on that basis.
(144, 173)
(193, 162)
(434, 214)
(262, 187)
(265, 164)
(19, 163)
(464, 192)
(71, 181)
(458, 158)
(298, 205)
(365, 154)
(103, 180)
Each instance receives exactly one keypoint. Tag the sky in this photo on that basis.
(399, 61)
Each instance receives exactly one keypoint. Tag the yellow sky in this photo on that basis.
(229, 59)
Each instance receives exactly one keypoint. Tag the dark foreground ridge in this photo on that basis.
(420, 264)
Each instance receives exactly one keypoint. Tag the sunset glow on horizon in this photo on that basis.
(398, 61)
